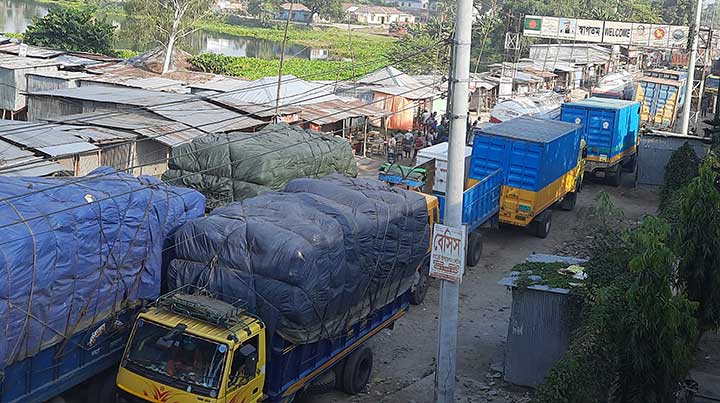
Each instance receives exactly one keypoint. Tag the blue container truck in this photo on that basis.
(78, 258)
(611, 130)
(541, 164)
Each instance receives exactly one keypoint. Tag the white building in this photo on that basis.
(378, 15)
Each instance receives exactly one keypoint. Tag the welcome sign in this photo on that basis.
(614, 32)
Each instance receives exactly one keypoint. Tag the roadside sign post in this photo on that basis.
(447, 260)
(449, 290)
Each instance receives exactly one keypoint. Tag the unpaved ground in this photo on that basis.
(405, 356)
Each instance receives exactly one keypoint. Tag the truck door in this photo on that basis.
(247, 374)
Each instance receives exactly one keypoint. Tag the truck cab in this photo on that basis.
(191, 347)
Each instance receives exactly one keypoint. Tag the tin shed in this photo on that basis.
(13, 81)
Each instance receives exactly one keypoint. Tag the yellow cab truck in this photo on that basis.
(541, 164)
(276, 295)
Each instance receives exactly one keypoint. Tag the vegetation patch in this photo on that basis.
(253, 68)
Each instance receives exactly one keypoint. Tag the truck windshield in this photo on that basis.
(176, 358)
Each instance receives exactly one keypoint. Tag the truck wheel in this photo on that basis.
(356, 371)
(418, 293)
(615, 178)
(543, 223)
(474, 249)
(569, 201)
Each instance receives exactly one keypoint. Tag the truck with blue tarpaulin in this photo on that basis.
(611, 130)
(79, 257)
(277, 294)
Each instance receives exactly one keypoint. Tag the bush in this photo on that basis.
(71, 29)
(680, 170)
(636, 337)
(697, 243)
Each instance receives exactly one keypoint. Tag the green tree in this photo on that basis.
(330, 9)
(698, 242)
(71, 29)
(264, 10)
(166, 22)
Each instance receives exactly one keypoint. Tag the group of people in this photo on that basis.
(432, 129)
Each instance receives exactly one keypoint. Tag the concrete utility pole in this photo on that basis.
(691, 70)
(449, 291)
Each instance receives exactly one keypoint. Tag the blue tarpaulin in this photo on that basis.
(74, 250)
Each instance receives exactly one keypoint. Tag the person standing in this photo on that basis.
(704, 106)
(408, 141)
(419, 144)
(391, 144)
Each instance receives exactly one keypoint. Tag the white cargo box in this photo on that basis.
(439, 152)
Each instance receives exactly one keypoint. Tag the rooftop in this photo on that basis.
(531, 129)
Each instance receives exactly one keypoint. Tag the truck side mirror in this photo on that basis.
(250, 358)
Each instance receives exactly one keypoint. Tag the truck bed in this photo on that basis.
(292, 366)
(481, 201)
(67, 363)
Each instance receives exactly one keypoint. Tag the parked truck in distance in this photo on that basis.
(611, 130)
(277, 294)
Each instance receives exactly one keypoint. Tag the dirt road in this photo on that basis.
(405, 356)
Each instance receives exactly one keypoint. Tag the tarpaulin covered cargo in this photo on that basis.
(310, 260)
(235, 166)
(75, 250)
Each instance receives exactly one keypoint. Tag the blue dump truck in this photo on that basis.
(78, 258)
(611, 130)
(278, 293)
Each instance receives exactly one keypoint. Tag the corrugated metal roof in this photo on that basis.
(391, 76)
(15, 62)
(418, 93)
(72, 60)
(262, 111)
(126, 96)
(207, 117)
(32, 51)
(121, 120)
(50, 139)
(220, 84)
(293, 91)
(172, 134)
(333, 111)
(61, 74)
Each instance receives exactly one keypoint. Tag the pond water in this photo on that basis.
(16, 15)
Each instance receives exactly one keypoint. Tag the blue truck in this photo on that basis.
(611, 130)
(79, 259)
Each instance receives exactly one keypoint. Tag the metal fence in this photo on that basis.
(655, 152)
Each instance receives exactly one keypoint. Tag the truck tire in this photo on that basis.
(356, 371)
(542, 224)
(568, 202)
(474, 249)
(614, 179)
(419, 291)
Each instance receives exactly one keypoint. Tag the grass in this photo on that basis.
(548, 272)
(253, 68)
(337, 41)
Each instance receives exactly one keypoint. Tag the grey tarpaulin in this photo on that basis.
(310, 260)
(235, 166)
(72, 251)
